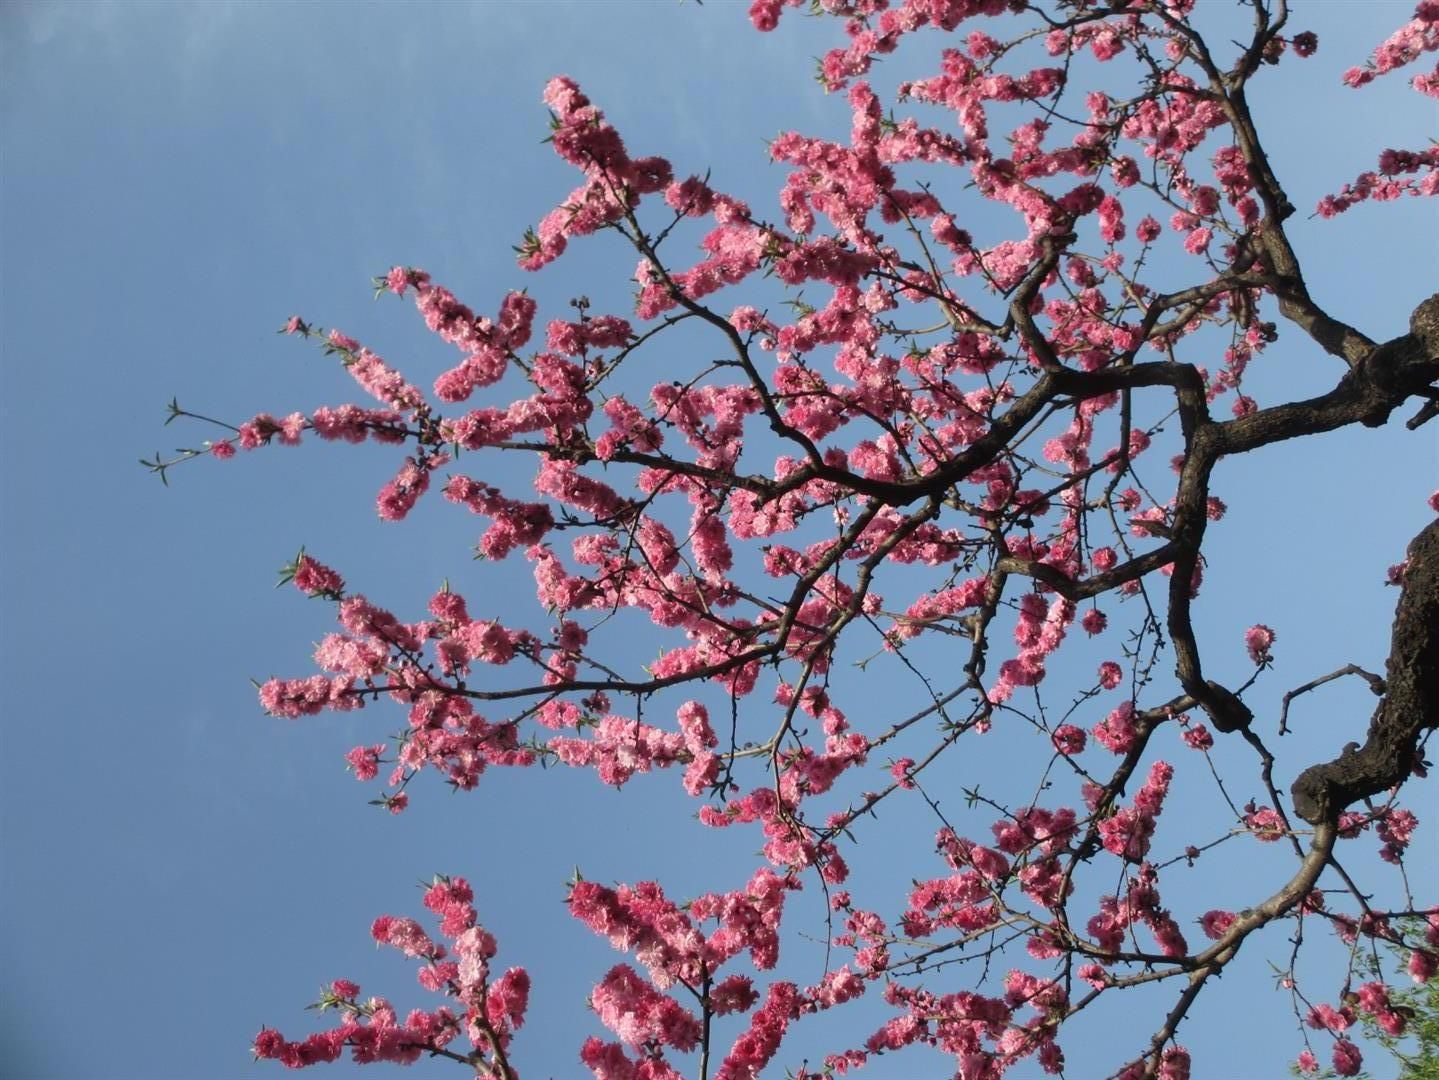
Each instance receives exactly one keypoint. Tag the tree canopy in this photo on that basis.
(960, 406)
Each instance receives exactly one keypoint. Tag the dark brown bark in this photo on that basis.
(1410, 705)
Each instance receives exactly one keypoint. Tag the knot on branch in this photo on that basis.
(1402, 367)
(1424, 324)
(1224, 708)
(1411, 697)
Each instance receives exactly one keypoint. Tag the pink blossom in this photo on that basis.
(636, 1012)
(895, 450)
(900, 771)
(365, 761)
(1174, 1064)
(1422, 965)
(1068, 739)
(1396, 829)
(1259, 639)
(315, 579)
(1265, 823)
(754, 1049)
(1198, 737)
(1116, 731)
(1110, 675)
(1197, 241)
(1128, 831)
(1347, 1059)
(1216, 923)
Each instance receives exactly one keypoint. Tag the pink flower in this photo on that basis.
(1198, 737)
(1110, 674)
(638, 1013)
(1128, 831)
(268, 1043)
(1068, 739)
(1094, 975)
(1373, 997)
(1347, 1059)
(900, 771)
(1174, 1064)
(397, 280)
(1216, 923)
(1265, 823)
(1197, 241)
(733, 994)
(753, 1049)
(1258, 639)
(1116, 731)
(314, 578)
(765, 14)
(1422, 965)
(365, 760)
(292, 698)
(1396, 829)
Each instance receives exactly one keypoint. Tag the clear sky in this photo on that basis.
(179, 869)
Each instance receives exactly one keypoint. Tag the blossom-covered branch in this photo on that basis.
(972, 460)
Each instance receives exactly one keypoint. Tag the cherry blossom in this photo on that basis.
(920, 439)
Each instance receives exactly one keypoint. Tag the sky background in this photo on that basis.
(175, 180)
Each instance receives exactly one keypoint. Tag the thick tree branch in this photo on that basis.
(1410, 699)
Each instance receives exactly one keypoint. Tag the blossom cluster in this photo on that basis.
(962, 446)
(667, 940)
(486, 1011)
(1390, 181)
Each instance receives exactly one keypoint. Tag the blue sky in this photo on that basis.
(177, 180)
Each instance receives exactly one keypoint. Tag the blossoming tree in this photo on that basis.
(879, 439)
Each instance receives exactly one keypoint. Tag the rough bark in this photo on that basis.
(1410, 705)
